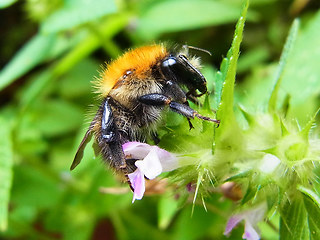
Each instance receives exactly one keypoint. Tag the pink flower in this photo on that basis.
(251, 219)
(153, 161)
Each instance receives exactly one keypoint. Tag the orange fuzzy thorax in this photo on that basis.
(139, 61)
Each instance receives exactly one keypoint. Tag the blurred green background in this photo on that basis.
(50, 52)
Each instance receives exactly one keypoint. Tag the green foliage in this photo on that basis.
(301, 74)
(6, 162)
(272, 106)
(6, 3)
(293, 222)
(29, 56)
(205, 13)
(312, 206)
(75, 13)
(267, 142)
(228, 125)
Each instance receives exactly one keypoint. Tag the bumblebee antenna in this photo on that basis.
(199, 49)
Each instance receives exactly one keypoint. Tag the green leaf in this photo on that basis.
(56, 117)
(283, 60)
(228, 132)
(78, 12)
(34, 87)
(162, 16)
(293, 222)
(6, 162)
(28, 57)
(312, 205)
(81, 76)
(301, 75)
(6, 3)
(82, 50)
(109, 28)
(36, 186)
(310, 195)
(39, 49)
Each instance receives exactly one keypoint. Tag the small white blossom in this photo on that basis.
(153, 161)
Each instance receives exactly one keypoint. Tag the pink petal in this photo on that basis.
(233, 221)
(169, 163)
(136, 150)
(128, 146)
(251, 218)
(249, 232)
(163, 154)
(138, 183)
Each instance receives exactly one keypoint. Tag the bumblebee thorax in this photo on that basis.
(135, 65)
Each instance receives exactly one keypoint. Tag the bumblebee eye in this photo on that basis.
(171, 61)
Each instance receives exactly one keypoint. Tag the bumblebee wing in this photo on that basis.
(96, 149)
(79, 155)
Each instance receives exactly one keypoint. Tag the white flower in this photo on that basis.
(153, 161)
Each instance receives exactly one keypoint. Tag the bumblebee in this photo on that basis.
(135, 89)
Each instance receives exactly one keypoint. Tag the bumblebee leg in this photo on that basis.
(190, 124)
(189, 121)
(189, 112)
(156, 99)
(108, 127)
(113, 154)
(173, 89)
(110, 141)
(192, 96)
